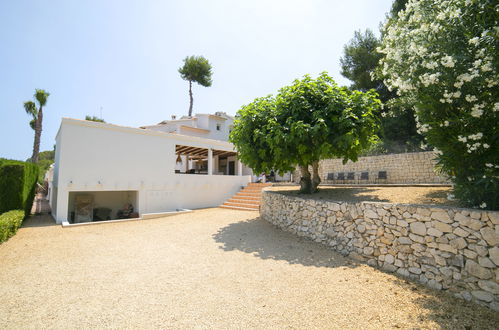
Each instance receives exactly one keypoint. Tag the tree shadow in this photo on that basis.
(340, 194)
(38, 220)
(439, 198)
(448, 311)
(263, 240)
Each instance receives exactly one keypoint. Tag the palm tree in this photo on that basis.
(36, 123)
(197, 69)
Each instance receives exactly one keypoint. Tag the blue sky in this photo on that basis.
(123, 56)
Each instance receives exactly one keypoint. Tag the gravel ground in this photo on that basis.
(213, 268)
(405, 195)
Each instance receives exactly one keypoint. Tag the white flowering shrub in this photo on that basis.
(442, 57)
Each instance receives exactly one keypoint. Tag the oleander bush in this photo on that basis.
(17, 185)
(441, 57)
(9, 223)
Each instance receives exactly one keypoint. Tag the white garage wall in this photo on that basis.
(103, 157)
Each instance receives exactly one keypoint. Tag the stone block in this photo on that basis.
(443, 227)
(434, 232)
(482, 295)
(418, 228)
(489, 286)
(460, 232)
(447, 248)
(368, 213)
(486, 262)
(476, 270)
(417, 238)
(494, 255)
(490, 236)
(441, 216)
(458, 243)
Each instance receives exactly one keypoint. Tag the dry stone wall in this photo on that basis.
(415, 167)
(444, 248)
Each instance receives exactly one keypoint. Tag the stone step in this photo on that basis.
(255, 184)
(244, 201)
(250, 206)
(252, 189)
(247, 196)
(237, 208)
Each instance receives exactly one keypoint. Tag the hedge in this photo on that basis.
(9, 223)
(17, 185)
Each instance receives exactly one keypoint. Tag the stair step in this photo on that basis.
(251, 206)
(237, 208)
(250, 198)
(244, 201)
(254, 184)
(252, 189)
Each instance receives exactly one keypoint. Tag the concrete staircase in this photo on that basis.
(247, 199)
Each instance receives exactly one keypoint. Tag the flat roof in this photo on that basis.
(181, 138)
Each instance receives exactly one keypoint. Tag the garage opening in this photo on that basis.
(90, 206)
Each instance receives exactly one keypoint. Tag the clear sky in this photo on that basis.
(123, 56)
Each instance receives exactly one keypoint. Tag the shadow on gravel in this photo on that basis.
(265, 241)
(40, 220)
(448, 311)
(348, 194)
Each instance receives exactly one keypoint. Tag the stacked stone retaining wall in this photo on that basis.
(444, 248)
(415, 167)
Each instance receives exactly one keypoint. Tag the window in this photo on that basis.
(219, 126)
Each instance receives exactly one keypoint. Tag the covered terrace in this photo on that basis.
(206, 161)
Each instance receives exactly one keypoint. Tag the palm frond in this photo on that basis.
(41, 96)
(30, 108)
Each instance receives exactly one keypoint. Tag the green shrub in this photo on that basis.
(9, 223)
(17, 185)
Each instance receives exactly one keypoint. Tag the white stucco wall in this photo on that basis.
(94, 156)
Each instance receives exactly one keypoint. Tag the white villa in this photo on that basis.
(210, 126)
(102, 169)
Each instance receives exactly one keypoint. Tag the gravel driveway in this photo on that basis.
(213, 268)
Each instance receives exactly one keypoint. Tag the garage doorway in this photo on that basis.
(90, 206)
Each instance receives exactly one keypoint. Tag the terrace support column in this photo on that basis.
(239, 168)
(210, 161)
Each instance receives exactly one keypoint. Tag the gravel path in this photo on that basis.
(213, 268)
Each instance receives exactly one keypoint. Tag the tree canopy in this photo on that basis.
(196, 69)
(441, 57)
(310, 120)
(360, 60)
(36, 122)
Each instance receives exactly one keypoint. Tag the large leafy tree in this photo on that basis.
(441, 56)
(359, 62)
(310, 120)
(196, 69)
(35, 110)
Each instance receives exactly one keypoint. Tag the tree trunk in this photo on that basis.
(38, 134)
(309, 181)
(190, 98)
(305, 180)
(316, 179)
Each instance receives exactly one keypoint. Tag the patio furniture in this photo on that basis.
(382, 175)
(102, 213)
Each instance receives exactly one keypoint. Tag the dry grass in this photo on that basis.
(212, 268)
(404, 195)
